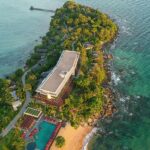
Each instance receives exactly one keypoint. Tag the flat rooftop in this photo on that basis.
(54, 79)
(32, 112)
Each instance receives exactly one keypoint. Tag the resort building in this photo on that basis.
(54, 83)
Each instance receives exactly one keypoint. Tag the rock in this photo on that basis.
(90, 120)
(85, 124)
(110, 56)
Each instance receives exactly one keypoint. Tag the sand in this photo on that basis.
(73, 137)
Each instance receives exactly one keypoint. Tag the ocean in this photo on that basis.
(20, 31)
(129, 128)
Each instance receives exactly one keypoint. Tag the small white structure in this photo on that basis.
(88, 46)
(53, 84)
(16, 104)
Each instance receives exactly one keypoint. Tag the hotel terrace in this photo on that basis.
(35, 126)
(55, 85)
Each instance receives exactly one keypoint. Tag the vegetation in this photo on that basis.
(76, 25)
(12, 83)
(6, 111)
(72, 27)
(60, 141)
(12, 141)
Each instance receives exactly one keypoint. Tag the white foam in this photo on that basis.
(115, 78)
(118, 58)
(135, 43)
(138, 97)
(88, 138)
(126, 30)
(124, 26)
(122, 99)
(128, 97)
(113, 46)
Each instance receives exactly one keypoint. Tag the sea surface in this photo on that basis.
(20, 30)
(129, 128)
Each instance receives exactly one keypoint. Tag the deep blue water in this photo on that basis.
(130, 127)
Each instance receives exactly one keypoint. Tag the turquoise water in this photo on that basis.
(129, 129)
(31, 146)
(19, 28)
(43, 136)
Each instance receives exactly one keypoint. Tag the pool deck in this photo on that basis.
(29, 135)
(51, 140)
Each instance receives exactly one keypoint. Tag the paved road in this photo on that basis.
(27, 101)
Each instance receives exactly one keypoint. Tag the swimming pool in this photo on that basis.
(46, 130)
(31, 146)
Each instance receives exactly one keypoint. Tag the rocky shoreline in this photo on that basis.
(110, 95)
(109, 109)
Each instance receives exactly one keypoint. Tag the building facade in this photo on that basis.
(66, 66)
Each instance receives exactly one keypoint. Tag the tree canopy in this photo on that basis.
(73, 27)
(60, 141)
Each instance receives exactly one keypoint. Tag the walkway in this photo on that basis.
(41, 9)
(16, 118)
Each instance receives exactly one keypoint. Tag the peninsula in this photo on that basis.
(67, 77)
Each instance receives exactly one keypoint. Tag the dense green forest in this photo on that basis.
(72, 27)
(12, 140)
(6, 112)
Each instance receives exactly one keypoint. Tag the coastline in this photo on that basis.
(127, 128)
(82, 135)
(75, 138)
(107, 61)
(88, 137)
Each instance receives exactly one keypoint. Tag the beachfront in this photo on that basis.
(74, 137)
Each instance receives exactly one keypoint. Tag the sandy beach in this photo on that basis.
(73, 137)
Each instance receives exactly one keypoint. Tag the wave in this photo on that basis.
(114, 44)
(125, 29)
(123, 25)
(115, 78)
(122, 99)
(88, 138)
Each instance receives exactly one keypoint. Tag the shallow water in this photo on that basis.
(129, 128)
(19, 28)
